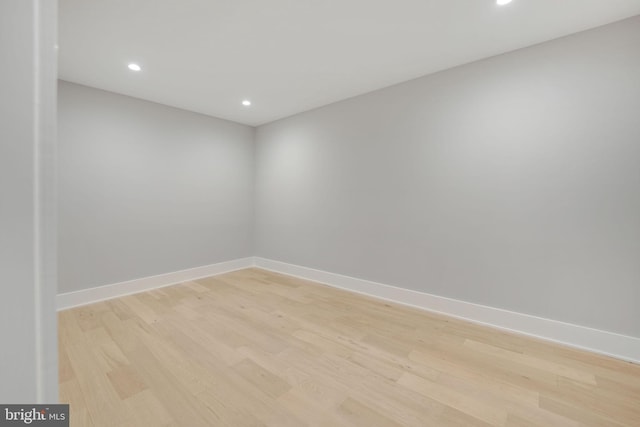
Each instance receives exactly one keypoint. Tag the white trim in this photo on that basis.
(101, 293)
(608, 343)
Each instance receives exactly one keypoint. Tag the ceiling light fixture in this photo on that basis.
(134, 67)
(502, 2)
(246, 103)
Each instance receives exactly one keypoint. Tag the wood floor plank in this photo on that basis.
(148, 410)
(256, 348)
(494, 415)
(126, 381)
(71, 393)
(266, 381)
(361, 415)
(536, 362)
(299, 403)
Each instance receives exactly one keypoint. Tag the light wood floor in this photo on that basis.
(254, 348)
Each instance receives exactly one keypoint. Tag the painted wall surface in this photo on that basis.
(147, 189)
(512, 182)
(28, 348)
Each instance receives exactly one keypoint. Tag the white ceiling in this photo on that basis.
(289, 56)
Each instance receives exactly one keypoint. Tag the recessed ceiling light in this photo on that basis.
(503, 2)
(134, 67)
(246, 103)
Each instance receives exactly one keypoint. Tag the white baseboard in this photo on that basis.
(608, 343)
(101, 293)
(603, 342)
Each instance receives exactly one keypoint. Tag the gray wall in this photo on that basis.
(146, 189)
(28, 348)
(512, 182)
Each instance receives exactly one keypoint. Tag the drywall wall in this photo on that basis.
(146, 189)
(28, 334)
(512, 182)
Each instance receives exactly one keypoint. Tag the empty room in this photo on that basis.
(328, 213)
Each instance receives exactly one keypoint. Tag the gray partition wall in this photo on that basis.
(512, 182)
(147, 189)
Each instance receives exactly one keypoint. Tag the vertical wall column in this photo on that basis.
(28, 331)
